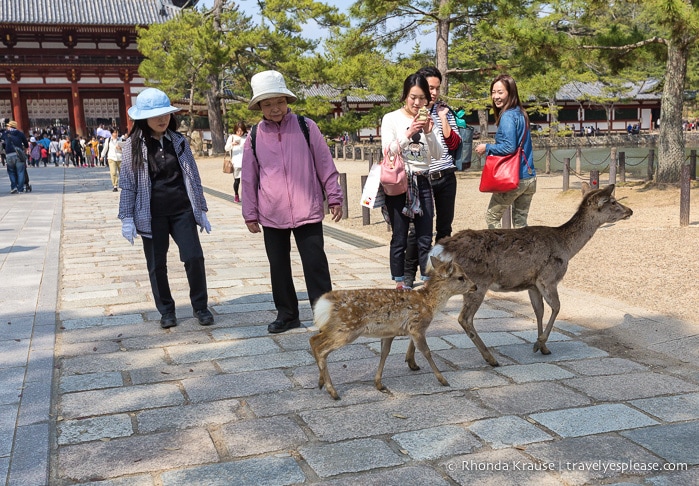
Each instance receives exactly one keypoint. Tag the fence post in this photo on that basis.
(365, 210)
(684, 196)
(693, 165)
(507, 218)
(345, 203)
(548, 160)
(566, 173)
(622, 166)
(651, 164)
(578, 160)
(594, 179)
(612, 166)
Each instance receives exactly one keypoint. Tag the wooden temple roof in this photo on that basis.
(89, 12)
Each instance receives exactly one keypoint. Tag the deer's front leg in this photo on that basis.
(385, 349)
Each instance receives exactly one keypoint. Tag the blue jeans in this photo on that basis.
(17, 171)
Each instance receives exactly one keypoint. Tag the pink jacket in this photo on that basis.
(283, 187)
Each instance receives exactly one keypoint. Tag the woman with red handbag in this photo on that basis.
(409, 131)
(513, 130)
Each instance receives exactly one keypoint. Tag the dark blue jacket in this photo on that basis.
(14, 138)
(508, 137)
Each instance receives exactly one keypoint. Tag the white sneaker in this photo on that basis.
(13, 191)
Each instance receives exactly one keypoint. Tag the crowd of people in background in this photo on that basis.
(54, 145)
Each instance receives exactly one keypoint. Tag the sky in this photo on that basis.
(310, 31)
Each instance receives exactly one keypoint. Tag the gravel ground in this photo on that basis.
(647, 261)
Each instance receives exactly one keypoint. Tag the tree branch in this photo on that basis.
(629, 47)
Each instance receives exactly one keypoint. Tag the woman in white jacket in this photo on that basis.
(410, 131)
(234, 145)
(112, 150)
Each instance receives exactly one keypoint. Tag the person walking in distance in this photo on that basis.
(286, 168)
(442, 174)
(112, 151)
(234, 145)
(162, 196)
(513, 128)
(15, 155)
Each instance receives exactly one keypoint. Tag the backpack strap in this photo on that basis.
(302, 123)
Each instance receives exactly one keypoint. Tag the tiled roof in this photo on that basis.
(581, 91)
(334, 95)
(86, 12)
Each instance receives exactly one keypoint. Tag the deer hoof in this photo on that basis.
(413, 366)
(444, 382)
(333, 394)
(539, 346)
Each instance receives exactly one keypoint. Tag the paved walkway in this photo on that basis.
(92, 391)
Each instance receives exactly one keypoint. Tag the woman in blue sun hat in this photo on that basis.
(162, 196)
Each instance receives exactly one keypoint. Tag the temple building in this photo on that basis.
(74, 63)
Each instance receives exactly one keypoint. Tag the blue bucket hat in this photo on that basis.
(151, 102)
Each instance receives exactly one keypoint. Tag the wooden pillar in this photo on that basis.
(77, 104)
(684, 195)
(16, 102)
(622, 166)
(125, 76)
(566, 173)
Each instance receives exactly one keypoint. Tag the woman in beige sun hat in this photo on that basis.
(287, 169)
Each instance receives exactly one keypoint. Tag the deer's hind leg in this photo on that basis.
(323, 344)
(410, 357)
(472, 301)
(538, 305)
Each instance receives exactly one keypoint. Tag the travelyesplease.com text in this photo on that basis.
(599, 465)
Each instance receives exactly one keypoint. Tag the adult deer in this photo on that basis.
(533, 258)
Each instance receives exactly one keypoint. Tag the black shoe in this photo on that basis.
(168, 320)
(115, 190)
(205, 317)
(281, 326)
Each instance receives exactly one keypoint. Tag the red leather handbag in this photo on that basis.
(501, 172)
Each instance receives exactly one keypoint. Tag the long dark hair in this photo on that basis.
(139, 131)
(512, 97)
(416, 79)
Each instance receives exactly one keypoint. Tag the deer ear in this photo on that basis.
(585, 187)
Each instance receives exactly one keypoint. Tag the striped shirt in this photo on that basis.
(447, 161)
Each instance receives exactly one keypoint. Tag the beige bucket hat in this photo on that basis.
(266, 85)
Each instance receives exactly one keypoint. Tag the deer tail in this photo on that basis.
(322, 312)
(439, 252)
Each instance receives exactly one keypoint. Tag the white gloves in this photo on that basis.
(205, 225)
(128, 229)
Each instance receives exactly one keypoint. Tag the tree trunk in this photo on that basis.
(553, 114)
(483, 122)
(213, 100)
(213, 104)
(671, 138)
(442, 49)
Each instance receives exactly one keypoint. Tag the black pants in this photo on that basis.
(183, 229)
(310, 244)
(444, 192)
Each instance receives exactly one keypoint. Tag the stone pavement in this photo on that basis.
(93, 391)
